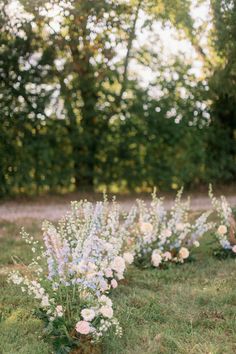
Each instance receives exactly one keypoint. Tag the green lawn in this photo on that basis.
(185, 309)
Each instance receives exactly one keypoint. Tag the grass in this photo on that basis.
(186, 309)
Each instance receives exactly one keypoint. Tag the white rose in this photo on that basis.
(180, 226)
(222, 230)
(146, 227)
(156, 258)
(234, 249)
(108, 273)
(183, 253)
(105, 300)
(114, 283)
(106, 311)
(88, 314)
(167, 256)
(166, 233)
(128, 257)
(118, 264)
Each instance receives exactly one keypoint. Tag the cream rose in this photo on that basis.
(222, 230)
(118, 264)
(183, 253)
(146, 227)
(83, 327)
(180, 226)
(128, 257)
(166, 233)
(156, 258)
(106, 311)
(105, 300)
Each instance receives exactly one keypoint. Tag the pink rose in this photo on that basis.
(83, 327)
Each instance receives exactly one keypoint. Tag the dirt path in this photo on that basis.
(12, 211)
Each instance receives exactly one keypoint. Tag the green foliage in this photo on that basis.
(73, 116)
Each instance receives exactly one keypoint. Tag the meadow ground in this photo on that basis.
(187, 309)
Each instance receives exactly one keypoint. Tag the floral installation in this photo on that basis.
(163, 237)
(71, 275)
(225, 226)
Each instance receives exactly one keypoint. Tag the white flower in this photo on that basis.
(105, 300)
(118, 264)
(106, 311)
(156, 258)
(108, 247)
(196, 243)
(59, 311)
(167, 256)
(183, 253)
(166, 233)
(45, 301)
(88, 314)
(146, 227)
(222, 230)
(180, 226)
(114, 283)
(234, 249)
(128, 257)
(108, 273)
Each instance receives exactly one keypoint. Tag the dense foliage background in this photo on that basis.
(89, 96)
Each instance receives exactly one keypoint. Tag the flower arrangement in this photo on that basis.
(163, 237)
(71, 275)
(225, 227)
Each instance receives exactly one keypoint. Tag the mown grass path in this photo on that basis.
(186, 309)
